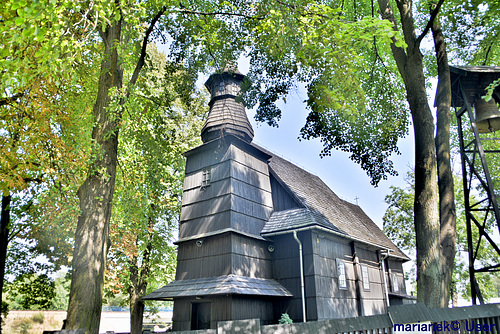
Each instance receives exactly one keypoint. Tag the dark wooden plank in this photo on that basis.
(205, 224)
(282, 200)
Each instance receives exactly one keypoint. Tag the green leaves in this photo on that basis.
(31, 292)
(355, 100)
(472, 30)
(491, 88)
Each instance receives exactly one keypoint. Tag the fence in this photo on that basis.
(403, 319)
(413, 318)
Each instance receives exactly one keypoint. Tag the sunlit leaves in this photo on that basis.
(354, 97)
(472, 28)
(39, 39)
(32, 292)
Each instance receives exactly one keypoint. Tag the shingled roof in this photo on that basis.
(322, 207)
(221, 285)
(226, 116)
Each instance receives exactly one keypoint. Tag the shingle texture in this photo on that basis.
(322, 207)
(226, 116)
(222, 285)
(295, 218)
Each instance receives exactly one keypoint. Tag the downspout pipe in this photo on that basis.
(302, 289)
(384, 256)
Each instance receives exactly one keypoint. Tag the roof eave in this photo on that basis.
(343, 235)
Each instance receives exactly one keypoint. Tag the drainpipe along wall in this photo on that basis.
(301, 265)
(386, 290)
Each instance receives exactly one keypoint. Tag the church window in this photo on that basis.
(221, 87)
(395, 282)
(366, 278)
(341, 274)
(205, 181)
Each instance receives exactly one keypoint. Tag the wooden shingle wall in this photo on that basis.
(239, 194)
(282, 200)
(372, 300)
(220, 307)
(333, 301)
(324, 298)
(220, 228)
(287, 272)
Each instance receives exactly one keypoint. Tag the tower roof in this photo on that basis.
(226, 115)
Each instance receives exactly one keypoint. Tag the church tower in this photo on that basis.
(223, 263)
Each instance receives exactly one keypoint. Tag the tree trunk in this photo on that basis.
(136, 312)
(96, 195)
(4, 240)
(139, 281)
(447, 212)
(427, 229)
(136, 291)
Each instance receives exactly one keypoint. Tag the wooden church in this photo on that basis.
(259, 236)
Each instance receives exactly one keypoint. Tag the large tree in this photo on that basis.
(432, 277)
(40, 152)
(55, 35)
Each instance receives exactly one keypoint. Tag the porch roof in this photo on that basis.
(221, 285)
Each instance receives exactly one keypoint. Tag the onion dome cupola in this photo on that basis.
(226, 115)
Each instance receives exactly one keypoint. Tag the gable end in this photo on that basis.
(282, 198)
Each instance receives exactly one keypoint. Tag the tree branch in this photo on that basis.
(430, 22)
(145, 268)
(488, 50)
(399, 53)
(142, 57)
(193, 12)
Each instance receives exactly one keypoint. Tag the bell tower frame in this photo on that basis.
(480, 196)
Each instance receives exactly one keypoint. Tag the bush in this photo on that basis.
(38, 318)
(285, 319)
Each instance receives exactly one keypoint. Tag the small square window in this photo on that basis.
(395, 282)
(341, 274)
(366, 278)
(205, 181)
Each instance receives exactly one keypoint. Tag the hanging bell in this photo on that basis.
(487, 116)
